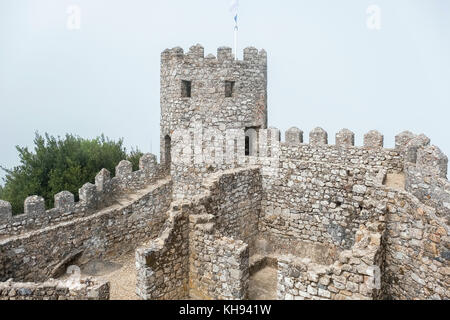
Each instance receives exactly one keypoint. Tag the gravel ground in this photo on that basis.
(263, 285)
(122, 278)
(120, 272)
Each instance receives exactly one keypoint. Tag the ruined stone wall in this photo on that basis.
(87, 289)
(353, 276)
(235, 201)
(218, 263)
(222, 229)
(416, 247)
(426, 179)
(315, 202)
(38, 255)
(163, 264)
(107, 191)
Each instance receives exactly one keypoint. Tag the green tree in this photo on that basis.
(58, 164)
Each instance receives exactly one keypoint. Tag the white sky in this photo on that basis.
(326, 68)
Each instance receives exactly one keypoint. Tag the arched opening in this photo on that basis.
(251, 141)
(167, 150)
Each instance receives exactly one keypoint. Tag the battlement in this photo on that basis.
(196, 54)
(92, 197)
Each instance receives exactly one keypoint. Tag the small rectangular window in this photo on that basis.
(186, 89)
(247, 145)
(229, 88)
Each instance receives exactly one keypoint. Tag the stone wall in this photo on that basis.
(162, 265)
(426, 179)
(38, 255)
(219, 265)
(353, 276)
(235, 201)
(317, 203)
(218, 262)
(339, 155)
(87, 289)
(106, 192)
(416, 247)
(223, 224)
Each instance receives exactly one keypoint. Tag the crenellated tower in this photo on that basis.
(218, 92)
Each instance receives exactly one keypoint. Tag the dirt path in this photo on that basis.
(263, 285)
(120, 272)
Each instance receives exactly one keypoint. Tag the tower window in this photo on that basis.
(186, 87)
(247, 145)
(229, 88)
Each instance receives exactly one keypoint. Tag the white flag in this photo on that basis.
(234, 8)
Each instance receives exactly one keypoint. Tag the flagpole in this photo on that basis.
(234, 10)
(236, 42)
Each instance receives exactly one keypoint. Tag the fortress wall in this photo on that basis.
(104, 193)
(189, 169)
(351, 277)
(431, 190)
(38, 255)
(88, 289)
(389, 159)
(163, 264)
(416, 247)
(426, 179)
(317, 203)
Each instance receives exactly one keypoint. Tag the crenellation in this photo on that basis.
(403, 138)
(225, 54)
(148, 163)
(65, 201)
(250, 54)
(124, 169)
(34, 205)
(88, 195)
(197, 51)
(373, 139)
(432, 160)
(102, 179)
(294, 136)
(413, 146)
(345, 138)
(5, 211)
(318, 137)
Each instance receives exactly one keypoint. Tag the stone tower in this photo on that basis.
(218, 92)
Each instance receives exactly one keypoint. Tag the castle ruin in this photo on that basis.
(233, 212)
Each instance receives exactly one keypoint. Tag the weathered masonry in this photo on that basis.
(234, 212)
